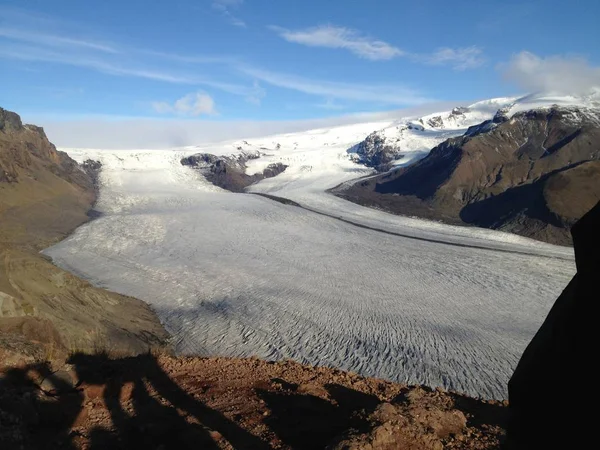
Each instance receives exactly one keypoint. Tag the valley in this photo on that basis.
(332, 283)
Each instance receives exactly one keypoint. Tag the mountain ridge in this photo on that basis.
(44, 196)
(504, 174)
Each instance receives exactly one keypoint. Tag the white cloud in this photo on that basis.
(225, 7)
(331, 36)
(195, 104)
(553, 74)
(376, 93)
(459, 58)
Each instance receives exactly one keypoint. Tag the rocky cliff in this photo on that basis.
(44, 195)
(534, 174)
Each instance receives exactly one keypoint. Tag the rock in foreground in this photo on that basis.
(559, 354)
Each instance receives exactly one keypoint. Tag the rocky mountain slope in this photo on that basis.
(533, 174)
(409, 139)
(44, 195)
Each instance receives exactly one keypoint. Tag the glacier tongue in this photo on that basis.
(241, 275)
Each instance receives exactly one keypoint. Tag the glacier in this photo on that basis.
(329, 283)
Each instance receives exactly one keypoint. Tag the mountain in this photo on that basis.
(533, 173)
(409, 139)
(44, 196)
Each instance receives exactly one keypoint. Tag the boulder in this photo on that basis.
(543, 413)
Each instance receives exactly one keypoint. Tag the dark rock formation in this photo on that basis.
(229, 172)
(26, 152)
(92, 168)
(9, 121)
(544, 412)
(375, 152)
(488, 125)
(534, 174)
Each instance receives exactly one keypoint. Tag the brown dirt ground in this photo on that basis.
(164, 402)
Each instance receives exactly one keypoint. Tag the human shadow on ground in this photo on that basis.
(147, 408)
(37, 408)
(305, 421)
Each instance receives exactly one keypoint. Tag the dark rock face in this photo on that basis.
(26, 152)
(375, 152)
(229, 172)
(436, 122)
(488, 125)
(9, 121)
(534, 174)
(543, 414)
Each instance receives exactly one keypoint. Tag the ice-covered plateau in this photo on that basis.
(241, 275)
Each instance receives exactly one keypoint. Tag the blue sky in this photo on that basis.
(268, 60)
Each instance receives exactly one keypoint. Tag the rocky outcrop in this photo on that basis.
(44, 196)
(534, 174)
(229, 172)
(560, 354)
(375, 151)
(9, 121)
(92, 169)
(26, 152)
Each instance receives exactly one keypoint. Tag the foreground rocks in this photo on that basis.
(534, 174)
(44, 311)
(164, 402)
(561, 352)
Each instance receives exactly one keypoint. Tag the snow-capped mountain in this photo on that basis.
(409, 139)
(535, 174)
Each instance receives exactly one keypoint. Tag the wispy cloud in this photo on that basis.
(330, 104)
(331, 36)
(225, 7)
(187, 59)
(257, 95)
(458, 58)
(376, 93)
(553, 74)
(119, 64)
(52, 40)
(194, 104)
(336, 37)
